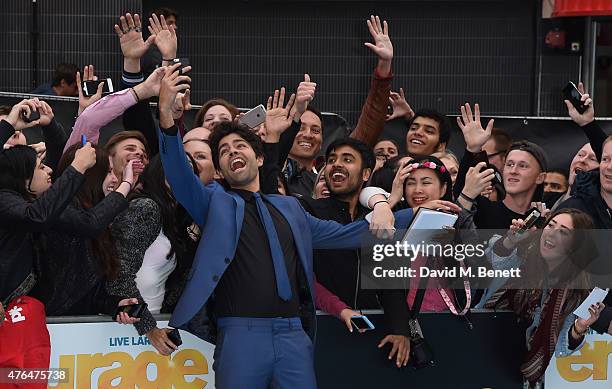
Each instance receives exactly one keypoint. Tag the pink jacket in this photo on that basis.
(100, 114)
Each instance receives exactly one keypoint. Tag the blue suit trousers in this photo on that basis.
(258, 353)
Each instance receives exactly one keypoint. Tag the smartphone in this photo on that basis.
(183, 61)
(362, 323)
(175, 337)
(34, 115)
(498, 184)
(133, 310)
(498, 181)
(254, 117)
(532, 218)
(91, 87)
(571, 93)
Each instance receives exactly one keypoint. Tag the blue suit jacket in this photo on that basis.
(220, 213)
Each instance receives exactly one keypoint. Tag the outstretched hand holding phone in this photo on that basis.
(580, 118)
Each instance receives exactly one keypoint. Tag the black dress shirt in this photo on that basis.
(248, 286)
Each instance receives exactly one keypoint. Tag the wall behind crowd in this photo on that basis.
(72, 31)
(445, 51)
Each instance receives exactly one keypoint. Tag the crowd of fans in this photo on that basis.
(86, 227)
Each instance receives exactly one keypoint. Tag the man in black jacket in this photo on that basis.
(349, 165)
(592, 193)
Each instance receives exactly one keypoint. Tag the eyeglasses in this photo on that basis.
(495, 154)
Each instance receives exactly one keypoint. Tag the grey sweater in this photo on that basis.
(134, 231)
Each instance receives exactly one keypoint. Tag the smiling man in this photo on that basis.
(593, 190)
(250, 289)
(126, 146)
(593, 195)
(523, 175)
(306, 145)
(348, 167)
(299, 171)
(429, 132)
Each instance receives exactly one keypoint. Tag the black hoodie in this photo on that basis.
(585, 196)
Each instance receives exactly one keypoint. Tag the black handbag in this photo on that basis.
(421, 354)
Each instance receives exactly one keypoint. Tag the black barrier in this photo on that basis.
(559, 137)
(486, 356)
(65, 110)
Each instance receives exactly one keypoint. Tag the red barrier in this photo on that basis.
(582, 8)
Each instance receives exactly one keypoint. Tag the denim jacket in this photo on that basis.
(514, 261)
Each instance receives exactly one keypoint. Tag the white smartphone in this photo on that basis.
(254, 117)
(91, 87)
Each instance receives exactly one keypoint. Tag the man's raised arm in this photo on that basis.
(186, 186)
(374, 112)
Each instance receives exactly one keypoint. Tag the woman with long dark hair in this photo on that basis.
(151, 240)
(552, 261)
(79, 251)
(29, 204)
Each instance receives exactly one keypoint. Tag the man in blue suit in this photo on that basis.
(252, 277)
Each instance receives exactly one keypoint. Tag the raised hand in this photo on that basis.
(278, 115)
(88, 75)
(474, 135)
(41, 149)
(401, 108)
(305, 94)
(150, 86)
(130, 37)
(514, 237)
(186, 100)
(46, 113)
(477, 179)
(397, 188)
(581, 325)
(84, 158)
(582, 119)
(165, 36)
(382, 46)
(540, 206)
(27, 107)
(169, 88)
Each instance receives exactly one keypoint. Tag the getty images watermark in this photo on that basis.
(484, 258)
(410, 252)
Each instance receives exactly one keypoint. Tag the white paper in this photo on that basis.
(597, 295)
